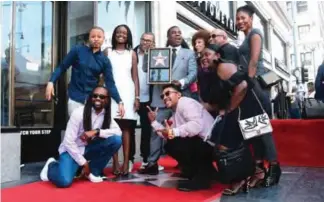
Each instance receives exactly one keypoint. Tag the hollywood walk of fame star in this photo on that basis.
(159, 59)
(160, 180)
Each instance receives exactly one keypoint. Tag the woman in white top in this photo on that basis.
(124, 66)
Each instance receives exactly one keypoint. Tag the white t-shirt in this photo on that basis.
(142, 76)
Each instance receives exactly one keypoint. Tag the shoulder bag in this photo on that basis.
(257, 125)
(233, 164)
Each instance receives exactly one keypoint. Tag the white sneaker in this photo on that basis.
(43, 174)
(161, 168)
(143, 165)
(95, 179)
(130, 166)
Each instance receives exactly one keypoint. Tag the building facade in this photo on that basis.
(35, 36)
(309, 19)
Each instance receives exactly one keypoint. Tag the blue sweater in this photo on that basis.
(86, 69)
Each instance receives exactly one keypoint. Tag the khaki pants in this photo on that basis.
(72, 105)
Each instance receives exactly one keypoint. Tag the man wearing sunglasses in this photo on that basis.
(227, 51)
(185, 132)
(92, 137)
(147, 42)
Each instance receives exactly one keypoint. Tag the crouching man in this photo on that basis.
(91, 138)
(185, 132)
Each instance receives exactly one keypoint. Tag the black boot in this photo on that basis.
(273, 175)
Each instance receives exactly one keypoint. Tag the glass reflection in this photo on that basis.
(187, 32)
(113, 13)
(33, 61)
(6, 8)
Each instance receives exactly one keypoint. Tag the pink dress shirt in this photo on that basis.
(72, 142)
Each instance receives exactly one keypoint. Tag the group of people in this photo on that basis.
(216, 79)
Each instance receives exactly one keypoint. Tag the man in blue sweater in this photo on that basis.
(88, 63)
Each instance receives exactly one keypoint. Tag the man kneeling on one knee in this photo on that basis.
(91, 138)
(185, 132)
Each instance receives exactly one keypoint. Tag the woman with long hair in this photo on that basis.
(252, 62)
(124, 63)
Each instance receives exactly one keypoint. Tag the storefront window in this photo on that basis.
(224, 6)
(6, 8)
(80, 21)
(114, 13)
(33, 62)
(279, 49)
(187, 32)
(262, 26)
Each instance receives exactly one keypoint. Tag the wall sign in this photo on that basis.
(33, 131)
(214, 13)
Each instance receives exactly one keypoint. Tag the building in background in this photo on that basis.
(310, 36)
(35, 36)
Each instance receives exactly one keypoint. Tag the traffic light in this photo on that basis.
(304, 75)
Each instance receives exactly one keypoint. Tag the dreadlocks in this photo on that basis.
(88, 109)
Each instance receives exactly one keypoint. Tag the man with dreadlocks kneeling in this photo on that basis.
(92, 137)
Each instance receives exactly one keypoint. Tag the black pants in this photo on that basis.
(264, 146)
(193, 155)
(145, 136)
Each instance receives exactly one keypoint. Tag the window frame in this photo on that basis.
(12, 69)
(285, 62)
(304, 34)
(303, 57)
(302, 6)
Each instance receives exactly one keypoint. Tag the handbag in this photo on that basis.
(255, 126)
(267, 79)
(313, 109)
(233, 164)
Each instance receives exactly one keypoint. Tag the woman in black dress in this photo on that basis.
(231, 92)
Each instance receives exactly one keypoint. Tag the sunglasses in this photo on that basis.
(167, 94)
(95, 96)
(215, 35)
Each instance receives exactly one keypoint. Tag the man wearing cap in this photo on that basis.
(227, 51)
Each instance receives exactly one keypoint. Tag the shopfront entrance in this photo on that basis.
(35, 37)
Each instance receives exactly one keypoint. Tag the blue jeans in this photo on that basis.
(98, 152)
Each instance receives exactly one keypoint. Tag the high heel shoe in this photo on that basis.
(273, 175)
(244, 187)
(257, 180)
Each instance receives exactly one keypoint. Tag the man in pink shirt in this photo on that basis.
(91, 138)
(185, 132)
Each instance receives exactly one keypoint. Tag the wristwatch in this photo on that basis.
(121, 102)
(97, 132)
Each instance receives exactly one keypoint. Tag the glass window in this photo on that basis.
(306, 58)
(224, 6)
(303, 31)
(113, 13)
(302, 6)
(5, 41)
(187, 32)
(262, 25)
(33, 62)
(289, 8)
(80, 21)
(279, 49)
